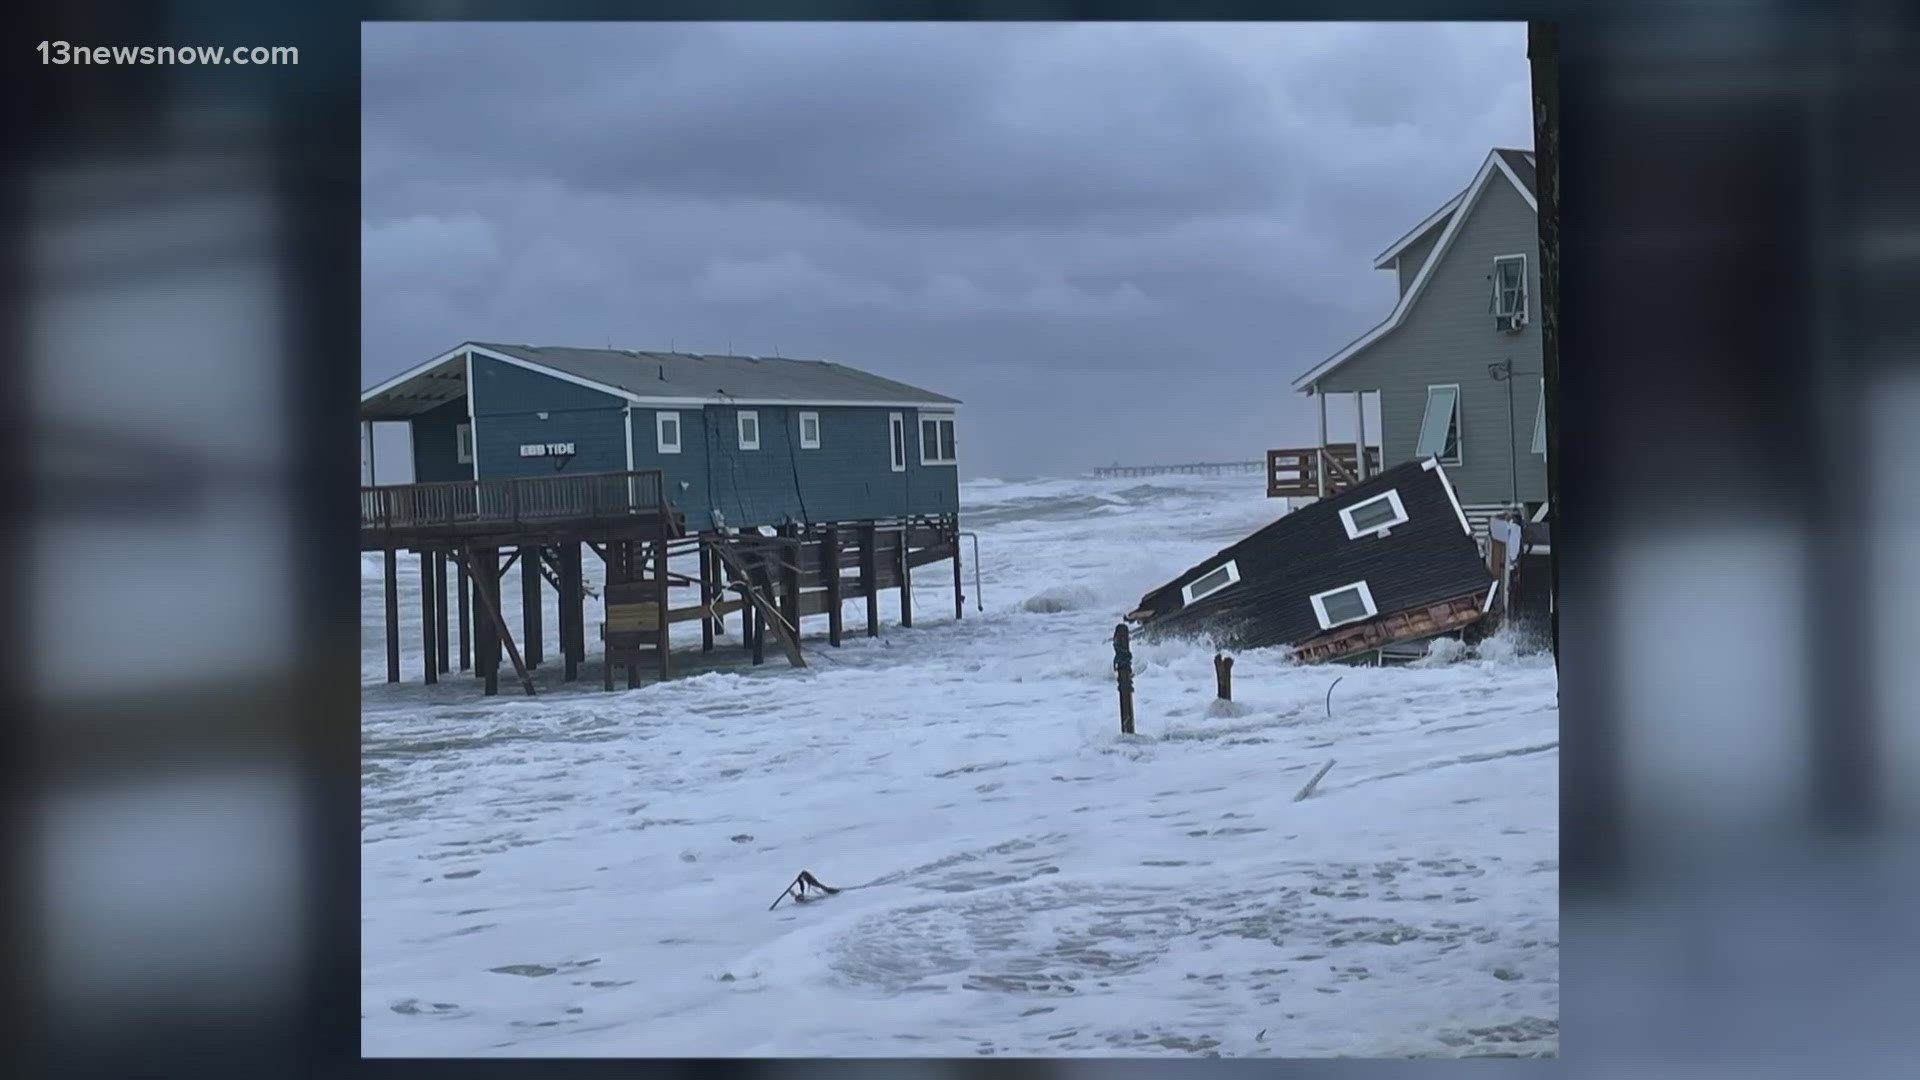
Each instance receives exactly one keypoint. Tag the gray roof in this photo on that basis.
(748, 378)
(1521, 162)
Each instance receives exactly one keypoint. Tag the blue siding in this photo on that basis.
(848, 478)
(684, 474)
(436, 449)
(507, 401)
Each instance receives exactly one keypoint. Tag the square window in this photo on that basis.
(1374, 516)
(463, 443)
(1346, 604)
(749, 430)
(666, 428)
(936, 439)
(809, 431)
(1211, 582)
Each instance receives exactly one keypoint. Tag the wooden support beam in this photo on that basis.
(830, 564)
(906, 581)
(790, 582)
(660, 590)
(573, 634)
(489, 596)
(393, 615)
(869, 570)
(429, 653)
(530, 606)
(706, 599)
(760, 595)
(959, 597)
(462, 594)
(481, 564)
(440, 608)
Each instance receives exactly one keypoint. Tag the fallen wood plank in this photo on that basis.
(1313, 783)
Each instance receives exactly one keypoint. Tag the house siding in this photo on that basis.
(1449, 338)
(684, 475)
(1415, 255)
(848, 478)
(436, 446)
(507, 402)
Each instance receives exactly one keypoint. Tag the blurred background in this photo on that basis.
(1737, 430)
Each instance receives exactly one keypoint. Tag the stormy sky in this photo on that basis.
(1112, 242)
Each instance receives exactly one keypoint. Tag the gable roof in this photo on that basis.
(1516, 167)
(650, 378)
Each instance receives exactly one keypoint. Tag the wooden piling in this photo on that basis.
(759, 579)
(661, 597)
(906, 575)
(393, 615)
(531, 613)
(707, 597)
(440, 609)
(790, 578)
(959, 597)
(489, 575)
(462, 595)
(1123, 670)
(429, 653)
(830, 565)
(572, 610)
(482, 567)
(1223, 676)
(869, 575)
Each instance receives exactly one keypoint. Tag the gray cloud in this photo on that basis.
(1069, 227)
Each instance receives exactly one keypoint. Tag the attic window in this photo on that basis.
(1440, 428)
(1510, 287)
(809, 431)
(1374, 516)
(463, 443)
(749, 429)
(666, 430)
(1210, 582)
(936, 439)
(1346, 604)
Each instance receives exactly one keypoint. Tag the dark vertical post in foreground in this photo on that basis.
(661, 598)
(463, 595)
(959, 597)
(483, 567)
(440, 609)
(1223, 675)
(531, 615)
(759, 581)
(830, 566)
(429, 654)
(869, 575)
(393, 615)
(1123, 669)
(906, 575)
(790, 579)
(708, 595)
(572, 613)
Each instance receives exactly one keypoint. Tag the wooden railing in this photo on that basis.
(1297, 472)
(473, 505)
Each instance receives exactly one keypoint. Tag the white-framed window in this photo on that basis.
(936, 439)
(1211, 582)
(809, 431)
(1346, 604)
(1375, 516)
(749, 422)
(897, 440)
(463, 443)
(1510, 287)
(666, 432)
(1440, 427)
(1540, 423)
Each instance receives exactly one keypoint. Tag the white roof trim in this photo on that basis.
(1400, 310)
(1387, 258)
(556, 373)
(1452, 497)
(411, 373)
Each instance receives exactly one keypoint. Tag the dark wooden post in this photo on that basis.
(1223, 675)
(483, 566)
(870, 575)
(708, 597)
(463, 594)
(429, 653)
(906, 575)
(393, 615)
(1123, 668)
(531, 615)
(790, 578)
(959, 597)
(440, 608)
(489, 576)
(760, 581)
(830, 565)
(661, 597)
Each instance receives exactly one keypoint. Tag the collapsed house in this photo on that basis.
(1388, 560)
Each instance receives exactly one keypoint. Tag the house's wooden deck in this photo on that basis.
(521, 510)
(1298, 472)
